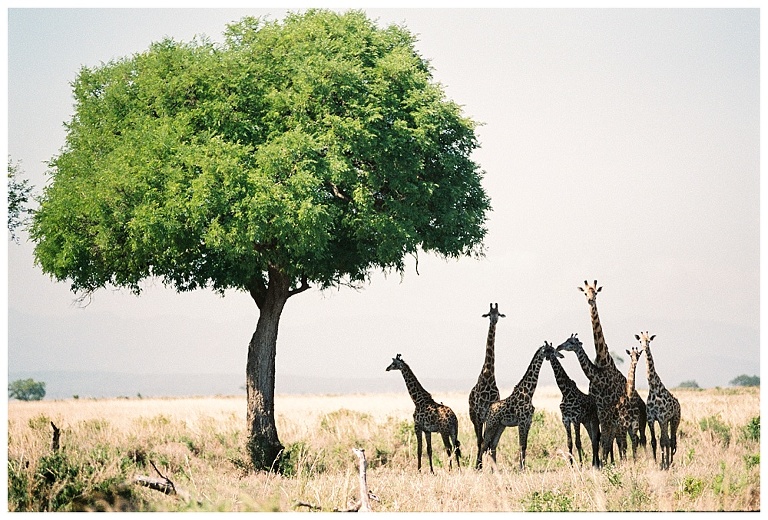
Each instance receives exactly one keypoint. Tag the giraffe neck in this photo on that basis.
(490, 356)
(531, 377)
(589, 368)
(563, 381)
(416, 391)
(631, 378)
(653, 378)
(602, 358)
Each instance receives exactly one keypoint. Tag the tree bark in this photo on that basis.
(264, 446)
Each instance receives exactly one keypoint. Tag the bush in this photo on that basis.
(717, 428)
(26, 390)
(752, 430)
(689, 384)
(745, 380)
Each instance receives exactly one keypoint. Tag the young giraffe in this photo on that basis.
(515, 410)
(663, 407)
(576, 408)
(609, 386)
(485, 391)
(629, 414)
(429, 416)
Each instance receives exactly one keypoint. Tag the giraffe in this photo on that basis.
(429, 416)
(629, 413)
(485, 390)
(576, 408)
(608, 386)
(515, 410)
(663, 407)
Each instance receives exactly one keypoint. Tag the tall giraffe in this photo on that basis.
(610, 384)
(576, 408)
(515, 410)
(629, 412)
(663, 407)
(485, 391)
(429, 416)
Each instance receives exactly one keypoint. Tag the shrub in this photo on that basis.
(752, 430)
(717, 428)
(551, 501)
(689, 384)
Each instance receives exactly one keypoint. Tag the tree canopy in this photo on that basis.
(745, 380)
(305, 152)
(26, 390)
(319, 146)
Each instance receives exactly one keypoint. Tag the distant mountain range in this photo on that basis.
(66, 384)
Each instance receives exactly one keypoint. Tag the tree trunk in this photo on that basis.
(263, 444)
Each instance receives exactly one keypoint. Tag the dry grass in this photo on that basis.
(199, 443)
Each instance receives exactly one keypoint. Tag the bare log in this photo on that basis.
(162, 484)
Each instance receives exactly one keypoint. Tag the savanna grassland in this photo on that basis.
(199, 444)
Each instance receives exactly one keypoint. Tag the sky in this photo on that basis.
(620, 145)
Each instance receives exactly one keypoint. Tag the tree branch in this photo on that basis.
(301, 288)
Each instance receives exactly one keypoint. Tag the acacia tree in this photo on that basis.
(26, 390)
(296, 154)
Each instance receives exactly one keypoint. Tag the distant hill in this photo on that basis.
(66, 384)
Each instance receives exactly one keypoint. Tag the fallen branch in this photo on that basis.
(364, 504)
(163, 484)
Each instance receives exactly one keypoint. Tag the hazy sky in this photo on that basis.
(621, 145)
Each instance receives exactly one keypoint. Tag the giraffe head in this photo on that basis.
(634, 354)
(590, 291)
(397, 363)
(572, 344)
(494, 314)
(644, 339)
(550, 353)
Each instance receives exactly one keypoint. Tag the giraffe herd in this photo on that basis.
(610, 412)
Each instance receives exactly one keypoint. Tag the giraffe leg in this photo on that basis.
(457, 447)
(491, 439)
(594, 437)
(621, 443)
(478, 424)
(418, 447)
(522, 429)
(569, 440)
(634, 440)
(606, 443)
(673, 437)
(448, 447)
(428, 436)
(665, 447)
(577, 433)
(652, 431)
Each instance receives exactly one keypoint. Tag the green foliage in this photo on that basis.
(550, 501)
(689, 384)
(319, 145)
(745, 380)
(752, 429)
(752, 460)
(692, 487)
(26, 390)
(18, 197)
(717, 428)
